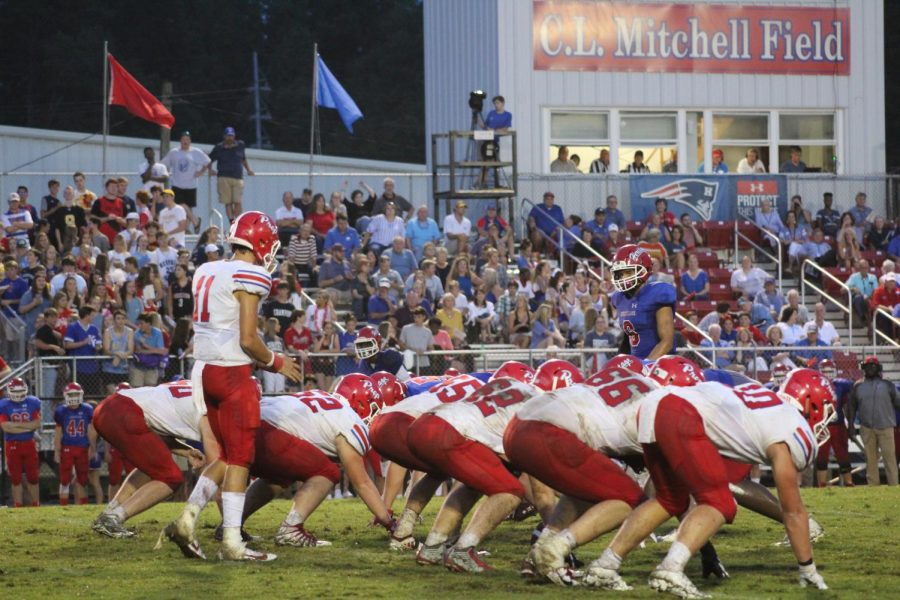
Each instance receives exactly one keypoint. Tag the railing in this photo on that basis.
(740, 236)
(884, 313)
(604, 262)
(14, 340)
(847, 309)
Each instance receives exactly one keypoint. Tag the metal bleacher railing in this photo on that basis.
(805, 282)
(881, 314)
(741, 237)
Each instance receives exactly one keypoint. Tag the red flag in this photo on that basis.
(125, 90)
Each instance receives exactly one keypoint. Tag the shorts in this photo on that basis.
(188, 197)
(435, 442)
(387, 433)
(557, 458)
(684, 462)
(230, 189)
(77, 457)
(22, 456)
(120, 421)
(283, 459)
(232, 406)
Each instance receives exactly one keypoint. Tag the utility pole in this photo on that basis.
(165, 134)
(260, 85)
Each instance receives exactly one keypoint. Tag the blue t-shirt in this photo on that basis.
(818, 355)
(419, 234)
(20, 412)
(615, 216)
(74, 423)
(348, 239)
(893, 248)
(539, 332)
(694, 285)
(15, 291)
(637, 315)
(387, 360)
(377, 304)
(542, 217)
(344, 364)
(229, 161)
(76, 333)
(495, 120)
(842, 388)
(596, 229)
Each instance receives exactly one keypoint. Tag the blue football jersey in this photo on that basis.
(842, 389)
(420, 385)
(74, 423)
(17, 412)
(482, 376)
(387, 360)
(729, 378)
(637, 315)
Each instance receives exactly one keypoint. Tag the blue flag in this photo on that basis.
(330, 94)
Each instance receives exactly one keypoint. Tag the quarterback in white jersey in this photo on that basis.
(147, 425)
(685, 432)
(227, 295)
(303, 437)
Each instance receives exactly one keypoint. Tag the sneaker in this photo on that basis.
(298, 536)
(465, 559)
(109, 525)
(245, 537)
(674, 582)
(402, 544)
(607, 579)
(242, 552)
(430, 555)
(189, 547)
(550, 553)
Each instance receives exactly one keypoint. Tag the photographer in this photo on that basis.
(497, 120)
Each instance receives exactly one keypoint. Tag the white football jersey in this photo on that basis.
(483, 416)
(169, 409)
(216, 309)
(456, 388)
(742, 422)
(317, 418)
(603, 417)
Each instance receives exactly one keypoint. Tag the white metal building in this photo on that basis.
(583, 74)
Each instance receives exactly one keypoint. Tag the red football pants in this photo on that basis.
(232, 406)
(117, 465)
(838, 442)
(73, 456)
(22, 456)
(283, 459)
(388, 433)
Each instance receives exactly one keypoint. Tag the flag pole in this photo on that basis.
(312, 117)
(105, 104)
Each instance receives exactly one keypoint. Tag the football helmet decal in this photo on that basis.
(391, 389)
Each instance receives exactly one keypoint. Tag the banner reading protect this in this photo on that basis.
(707, 197)
(584, 35)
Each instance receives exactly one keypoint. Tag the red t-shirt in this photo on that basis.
(105, 207)
(298, 340)
(881, 297)
(321, 223)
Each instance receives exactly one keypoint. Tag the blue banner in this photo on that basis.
(707, 197)
(331, 94)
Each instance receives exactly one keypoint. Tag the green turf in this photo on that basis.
(52, 553)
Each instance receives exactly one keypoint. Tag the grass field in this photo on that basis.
(51, 552)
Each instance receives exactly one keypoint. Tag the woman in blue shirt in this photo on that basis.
(461, 273)
(34, 302)
(694, 281)
(544, 331)
(676, 248)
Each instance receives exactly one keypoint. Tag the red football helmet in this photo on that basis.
(556, 374)
(368, 343)
(515, 370)
(677, 371)
(17, 389)
(631, 267)
(779, 372)
(123, 386)
(625, 361)
(359, 391)
(73, 395)
(258, 233)
(451, 372)
(812, 394)
(391, 389)
(828, 368)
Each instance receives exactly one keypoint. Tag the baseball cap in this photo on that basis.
(384, 282)
(337, 246)
(229, 131)
(550, 194)
(599, 211)
(210, 248)
(492, 207)
(168, 192)
(461, 204)
(812, 328)
(14, 197)
(770, 280)
(718, 153)
(612, 227)
(21, 243)
(889, 277)
(132, 215)
(185, 134)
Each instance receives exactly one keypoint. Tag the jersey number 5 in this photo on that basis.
(634, 338)
(201, 293)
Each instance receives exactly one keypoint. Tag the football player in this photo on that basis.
(227, 294)
(74, 442)
(116, 463)
(388, 434)
(686, 434)
(301, 438)
(646, 311)
(464, 440)
(20, 417)
(838, 440)
(146, 425)
(374, 357)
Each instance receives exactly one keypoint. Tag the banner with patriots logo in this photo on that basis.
(707, 197)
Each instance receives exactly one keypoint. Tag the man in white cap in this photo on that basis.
(132, 233)
(381, 306)
(17, 221)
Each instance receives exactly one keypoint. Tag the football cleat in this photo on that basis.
(607, 579)
(110, 526)
(402, 544)
(465, 559)
(714, 567)
(242, 552)
(298, 536)
(189, 547)
(674, 582)
(245, 537)
(430, 555)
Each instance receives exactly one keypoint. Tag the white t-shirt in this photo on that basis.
(118, 257)
(182, 164)
(165, 259)
(742, 422)
(168, 409)
(317, 418)
(745, 167)
(169, 218)
(484, 415)
(291, 213)
(158, 170)
(452, 390)
(454, 227)
(827, 332)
